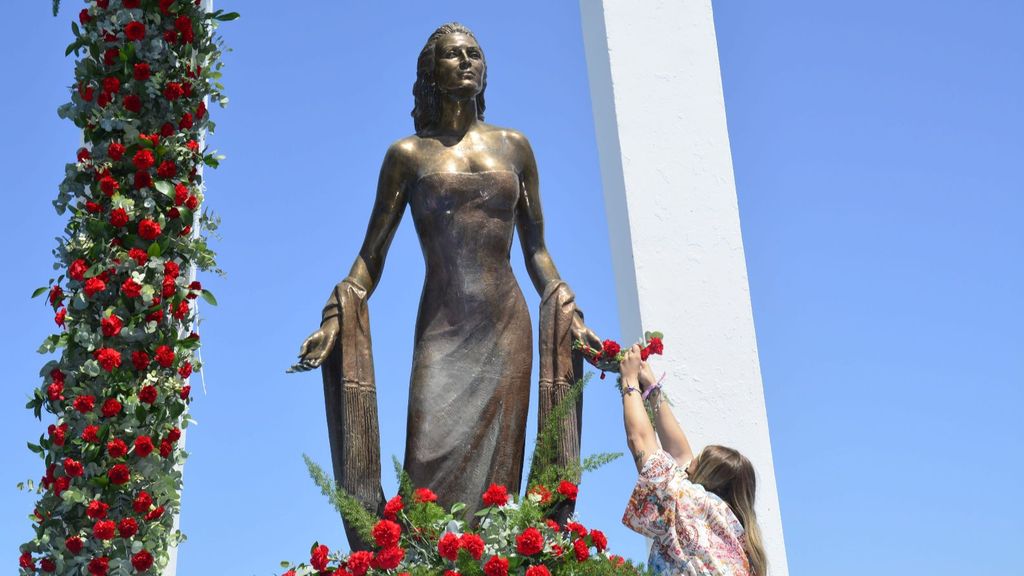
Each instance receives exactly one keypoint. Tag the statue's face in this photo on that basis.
(459, 65)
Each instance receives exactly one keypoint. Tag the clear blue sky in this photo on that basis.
(877, 150)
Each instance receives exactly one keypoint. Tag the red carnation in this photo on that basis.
(139, 256)
(577, 528)
(141, 71)
(174, 435)
(83, 16)
(142, 502)
(108, 358)
(192, 203)
(111, 407)
(542, 493)
(359, 562)
(111, 326)
(186, 368)
(201, 110)
(73, 544)
(656, 346)
(389, 558)
(116, 448)
(538, 571)
(424, 495)
(530, 542)
(135, 31)
(610, 349)
(320, 557)
(77, 269)
(118, 217)
(165, 6)
(183, 25)
(94, 285)
(581, 550)
(99, 566)
(568, 489)
(171, 269)
(155, 513)
(599, 540)
(127, 527)
(147, 395)
(142, 561)
(115, 151)
(96, 509)
(173, 91)
(55, 391)
(60, 316)
(143, 446)
(167, 170)
(119, 474)
(82, 155)
(91, 434)
(48, 565)
(166, 448)
(131, 289)
(186, 121)
(26, 561)
(133, 103)
(110, 56)
(111, 85)
(165, 356)
(86, 93)
(84, 403)
(109, 186)
(473, 544)
(393, 507)
(140, 360)
(143, 179)
(92, 207)
(386, 533)
(496, 566)
(73, 467)
(56, 295)
(448, 546)
(149, 230)
(185, 390)
(496, 495)
(192, 144)
(104, 529)
(143, 159)
(57, 434)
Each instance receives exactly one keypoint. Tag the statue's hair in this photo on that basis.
(427, 107)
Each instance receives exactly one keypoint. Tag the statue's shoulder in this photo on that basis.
(511, 137)
(403, 153)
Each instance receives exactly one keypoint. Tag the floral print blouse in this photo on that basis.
(695, 532)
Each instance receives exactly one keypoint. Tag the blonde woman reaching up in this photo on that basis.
(698, 510)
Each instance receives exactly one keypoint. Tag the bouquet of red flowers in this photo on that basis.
(608, 358)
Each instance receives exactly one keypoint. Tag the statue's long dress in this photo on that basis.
(469, 392)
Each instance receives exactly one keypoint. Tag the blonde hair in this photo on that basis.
(730, 476)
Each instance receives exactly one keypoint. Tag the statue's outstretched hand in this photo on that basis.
(583, 334)
(316, 348)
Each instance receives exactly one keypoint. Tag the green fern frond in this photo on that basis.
(347, 505)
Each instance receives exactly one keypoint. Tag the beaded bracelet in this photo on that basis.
(628, 389)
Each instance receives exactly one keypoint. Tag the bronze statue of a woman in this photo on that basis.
(469, 185)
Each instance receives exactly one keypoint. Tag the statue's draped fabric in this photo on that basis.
(469, 392)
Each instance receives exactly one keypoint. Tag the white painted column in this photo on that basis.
(673, 221)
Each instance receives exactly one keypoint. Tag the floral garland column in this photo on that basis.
(123, 299)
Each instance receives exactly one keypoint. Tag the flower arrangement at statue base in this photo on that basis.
(509, 536)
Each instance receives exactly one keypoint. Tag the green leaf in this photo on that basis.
(211, 161)
(94, 270)
(74, 28)
(39, 291)
(208, 296)
(228, 17)
(154, 250)
(35, 448)
(164, 187)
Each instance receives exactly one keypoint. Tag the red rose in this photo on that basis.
(538, 571)
(568, 489)
(119, 474)
(94, 285)
(424, 495)
(167, 170)
(97, 510)
(111, 85)
(166, 448)
(73, 467)
(393, 507)
(496, 495)
(91, 434)
(148, 229)
(388, 558)
(164, 355)
(116, 448)
(142, 502)
(173, 91)
(581, 550)
(111, 326)
(141, 71)
(115, 151)
(142, 561)
(143, 446)
(118, 217)
(320, 557)
(127, 527)
(155, 513)
(84, 403)
(448, 546)
(359, 562)
(133, 103)
(131, 289)
(473, 544)
(140, 360)
(147, 395)
(99, 566)
(104, 529)
(530, 542)
(186, 121)
(73, 544)
(77, 269)
(139, 256)
(111, 408)
(135, 31)
(108, 359)
(496, 566)
(599, 540)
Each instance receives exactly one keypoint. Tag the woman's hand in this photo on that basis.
(630, 366)
(316, 348)
(646, 376)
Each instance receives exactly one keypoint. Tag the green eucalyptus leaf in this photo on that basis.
(39, 291)
(208, 296)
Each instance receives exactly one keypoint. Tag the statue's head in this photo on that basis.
(451, 64)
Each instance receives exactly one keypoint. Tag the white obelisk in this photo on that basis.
(673, 222)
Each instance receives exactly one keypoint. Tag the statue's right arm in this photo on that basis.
(366, 270)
